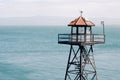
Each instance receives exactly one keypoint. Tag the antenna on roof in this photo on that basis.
(81, 13)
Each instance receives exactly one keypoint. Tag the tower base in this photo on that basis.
(81, 64)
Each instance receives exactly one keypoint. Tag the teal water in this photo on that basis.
(32, 53)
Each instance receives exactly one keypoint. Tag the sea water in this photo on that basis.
(32, 53)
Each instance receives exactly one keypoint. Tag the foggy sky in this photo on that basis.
(20, 9)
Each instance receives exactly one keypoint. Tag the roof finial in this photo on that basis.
(81, 13)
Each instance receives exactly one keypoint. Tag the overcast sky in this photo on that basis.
(60, 8)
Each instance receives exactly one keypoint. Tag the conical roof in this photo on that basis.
(80, 21)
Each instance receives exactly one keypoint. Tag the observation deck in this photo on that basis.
(81, 39)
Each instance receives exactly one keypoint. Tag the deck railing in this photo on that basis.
(81, 38)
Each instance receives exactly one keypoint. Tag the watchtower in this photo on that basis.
(81, 63)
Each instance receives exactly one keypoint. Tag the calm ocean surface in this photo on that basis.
(32, 53)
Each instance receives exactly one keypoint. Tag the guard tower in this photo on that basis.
(81, 63)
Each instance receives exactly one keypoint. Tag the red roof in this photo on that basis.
(89, 23)
(81, 22)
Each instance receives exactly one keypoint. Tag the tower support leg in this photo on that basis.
(81, 64)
